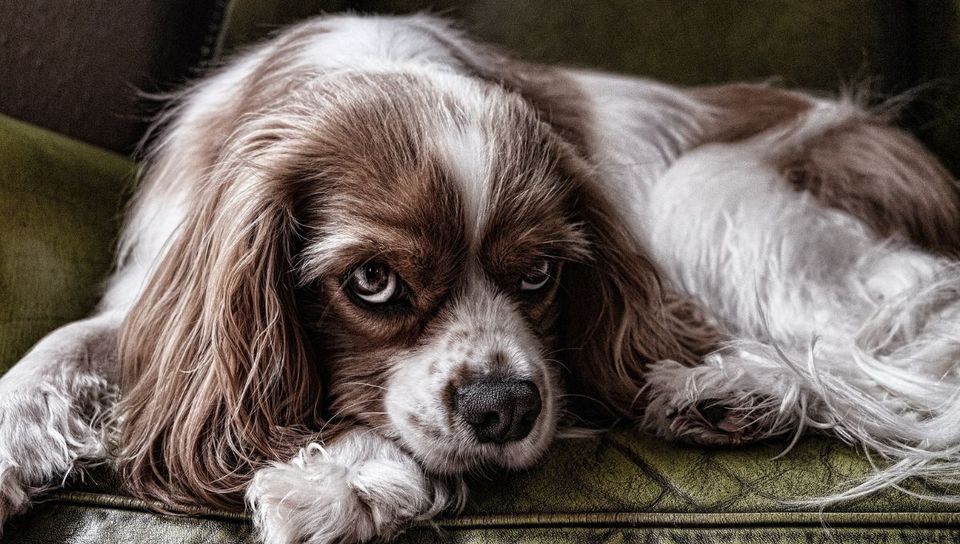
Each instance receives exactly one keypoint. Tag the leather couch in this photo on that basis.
(61, 199)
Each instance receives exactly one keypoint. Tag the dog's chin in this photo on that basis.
(459, 455)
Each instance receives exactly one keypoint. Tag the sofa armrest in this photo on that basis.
(60, 203)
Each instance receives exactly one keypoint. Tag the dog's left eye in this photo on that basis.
(374, 282)
(538, 276)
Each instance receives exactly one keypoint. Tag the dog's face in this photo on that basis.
(413, 251)
(431, 263)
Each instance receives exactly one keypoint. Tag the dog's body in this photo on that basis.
(719, 265)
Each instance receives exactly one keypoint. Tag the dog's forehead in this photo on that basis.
(434, 177)
(440, 156)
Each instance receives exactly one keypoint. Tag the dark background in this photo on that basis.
(85, 67)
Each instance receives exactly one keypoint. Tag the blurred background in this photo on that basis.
(79, 67)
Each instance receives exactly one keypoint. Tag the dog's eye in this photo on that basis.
(374, 282)
(538, 276)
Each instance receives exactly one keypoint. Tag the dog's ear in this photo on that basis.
(217, 374)
(617, 313)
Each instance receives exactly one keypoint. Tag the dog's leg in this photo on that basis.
(51, 407)
(900, 361)
(726, 401)
(839, 324)
(894, 381)
(359, 488)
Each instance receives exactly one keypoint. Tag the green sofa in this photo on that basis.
(61, 202)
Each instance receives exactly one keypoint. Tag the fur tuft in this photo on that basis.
(371, 489)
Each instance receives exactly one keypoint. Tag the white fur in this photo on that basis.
(468, 154)
(638, 128)
(360, 488)
(481, 325)
(52, 405)
(840, 330)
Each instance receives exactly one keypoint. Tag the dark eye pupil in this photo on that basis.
(373, 274)
(537, 277)
(373, 278)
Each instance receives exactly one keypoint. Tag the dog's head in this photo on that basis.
(422, 253)
(437, 217)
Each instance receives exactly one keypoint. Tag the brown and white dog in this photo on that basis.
(371, 255)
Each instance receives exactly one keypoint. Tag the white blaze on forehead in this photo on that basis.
(467, 153)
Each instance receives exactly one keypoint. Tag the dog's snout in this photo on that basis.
(498, 410)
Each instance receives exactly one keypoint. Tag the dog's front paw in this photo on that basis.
(702, 405)
(14, 495)
(361, 488)
(46, 428)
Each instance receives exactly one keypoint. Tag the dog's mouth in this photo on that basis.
(462, 407)
(489, 422)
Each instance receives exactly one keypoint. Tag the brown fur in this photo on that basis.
(884, 177)
(220, 372)
(744, 110)
(238, 353)
(875, 172)
(217, 373)
(618, 316)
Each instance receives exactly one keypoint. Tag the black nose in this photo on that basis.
(498, 410)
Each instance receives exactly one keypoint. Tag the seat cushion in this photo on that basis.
(615, 487)
(60, 204)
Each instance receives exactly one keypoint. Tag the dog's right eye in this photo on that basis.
(374, 283)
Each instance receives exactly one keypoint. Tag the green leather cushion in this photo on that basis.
(59, 215)
(619, 487)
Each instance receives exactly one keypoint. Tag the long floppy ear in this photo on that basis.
(217, 375)
(618, 315)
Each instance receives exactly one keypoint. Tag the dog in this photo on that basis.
(372, 255)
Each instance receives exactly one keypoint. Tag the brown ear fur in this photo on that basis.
(618, 316)
(216, 376)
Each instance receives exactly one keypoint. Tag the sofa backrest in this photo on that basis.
(79, 62)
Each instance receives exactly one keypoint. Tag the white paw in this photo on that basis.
(360, 488)
(45, 429)
(702, 405)
(14, 496)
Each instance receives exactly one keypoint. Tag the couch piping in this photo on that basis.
(590, 519)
